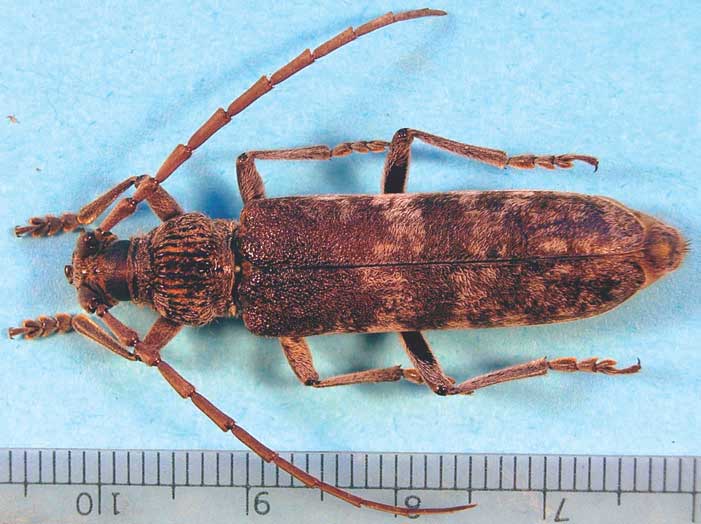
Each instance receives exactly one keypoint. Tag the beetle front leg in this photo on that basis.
(250, 182)
(396, 168)
(430, 370)
(299, 356)
(148, 351)
(162, 204)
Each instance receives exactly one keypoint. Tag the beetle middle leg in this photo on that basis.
(431, 373)
(397, 163)
(299, 357)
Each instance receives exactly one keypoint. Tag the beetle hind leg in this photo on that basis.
(431, 373)
(397, 164)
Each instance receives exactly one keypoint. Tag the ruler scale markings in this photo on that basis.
(589, 474)
(99, 482)
(545, 484)
(172, 475)
(248, 470)
(603, 482)
(231, 470)
(615, 479)
(620, 471)
(501, 470)
(664, 475)
(321, 468)
(292, 460)
(559, 473)
(201, 468)
(694, 490)
(366, 469)
(469, 481)
(262, 473)
(248, 483)
(277, 476)
(25, 473)
(396, 467)
(187, 468)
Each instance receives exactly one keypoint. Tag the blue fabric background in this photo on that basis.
(104, 90)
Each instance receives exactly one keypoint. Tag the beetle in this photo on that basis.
(299, 266)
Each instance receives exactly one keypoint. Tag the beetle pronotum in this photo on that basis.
(394, 262)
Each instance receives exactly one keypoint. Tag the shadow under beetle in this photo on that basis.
(394, 262)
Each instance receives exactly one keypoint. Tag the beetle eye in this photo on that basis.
(68, 271)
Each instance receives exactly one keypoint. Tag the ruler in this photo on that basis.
(86, 485)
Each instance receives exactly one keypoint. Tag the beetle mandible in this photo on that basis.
(395, 262)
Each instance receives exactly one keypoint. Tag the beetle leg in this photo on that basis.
(250, 182)
(162, 204)
(426, 364)
(397, 164)
(430, 370)
(263, 85)
(539, 367)
(299, 357)
(147, 188)
(186, 390)
(43, 326)
(148, 351)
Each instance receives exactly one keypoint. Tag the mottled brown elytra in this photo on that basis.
(393, 262)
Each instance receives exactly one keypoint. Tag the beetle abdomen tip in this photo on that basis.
(664, 249)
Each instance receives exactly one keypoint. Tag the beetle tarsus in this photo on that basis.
(607, 366)
(49, 225)
(550, 161)
(43, 326)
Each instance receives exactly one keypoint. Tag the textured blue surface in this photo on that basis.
(104, 92)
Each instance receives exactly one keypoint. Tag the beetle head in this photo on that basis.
(99, 269)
